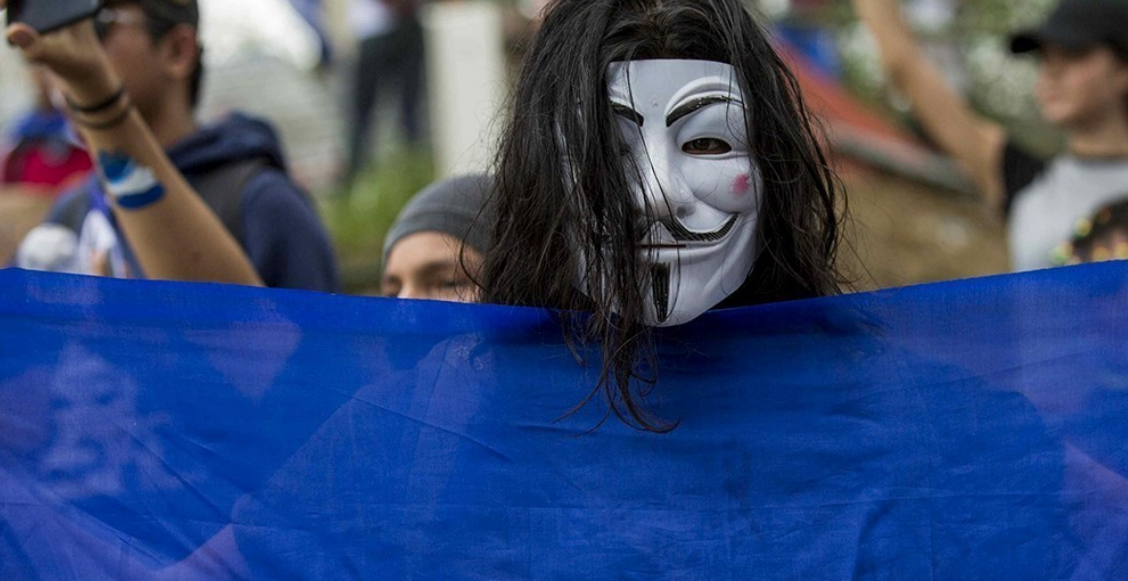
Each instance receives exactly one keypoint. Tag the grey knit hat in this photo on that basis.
(454, 206)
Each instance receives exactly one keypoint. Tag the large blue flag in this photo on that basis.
(966, 430)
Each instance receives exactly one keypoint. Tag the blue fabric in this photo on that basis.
(965, 430)
(39, 124)
(818, 45)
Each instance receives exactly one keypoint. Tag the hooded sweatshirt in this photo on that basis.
(280, 230)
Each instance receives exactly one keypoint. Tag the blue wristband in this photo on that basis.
(134, 187)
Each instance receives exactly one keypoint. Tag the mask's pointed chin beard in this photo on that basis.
(660, 291)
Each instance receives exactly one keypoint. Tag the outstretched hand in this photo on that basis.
(171, 230)
(878, 6)
(73, 53)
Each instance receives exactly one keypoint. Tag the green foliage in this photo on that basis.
(993, 17)
(359, 218)
(998, 84)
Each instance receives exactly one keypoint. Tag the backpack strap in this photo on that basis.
(222, 190)
(72, 209)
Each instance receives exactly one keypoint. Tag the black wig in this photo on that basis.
(561, 180)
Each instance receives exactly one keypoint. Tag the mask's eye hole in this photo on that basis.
(706, 146)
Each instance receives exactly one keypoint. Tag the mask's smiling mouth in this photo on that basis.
(667, 233)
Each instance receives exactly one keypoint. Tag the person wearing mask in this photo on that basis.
(658, 168)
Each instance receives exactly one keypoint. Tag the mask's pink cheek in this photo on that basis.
(740, 185)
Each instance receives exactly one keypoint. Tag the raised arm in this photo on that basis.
(172, 233)
(975, 142)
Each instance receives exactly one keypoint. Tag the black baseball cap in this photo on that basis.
(1079, 25)
(170, 11)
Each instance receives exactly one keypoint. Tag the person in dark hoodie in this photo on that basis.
(236, 165)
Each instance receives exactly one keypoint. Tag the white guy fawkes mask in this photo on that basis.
(683, 122)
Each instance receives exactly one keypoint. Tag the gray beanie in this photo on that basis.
(453, 206)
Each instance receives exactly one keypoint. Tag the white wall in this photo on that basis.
(466, 83)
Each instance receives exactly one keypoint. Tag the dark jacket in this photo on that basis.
(273, 219)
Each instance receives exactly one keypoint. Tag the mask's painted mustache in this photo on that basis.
(682, 234)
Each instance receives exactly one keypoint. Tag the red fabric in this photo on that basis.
(44, 164)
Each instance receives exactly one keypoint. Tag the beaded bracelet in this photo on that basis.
(83, 121)
(98, 107)
(107, 124)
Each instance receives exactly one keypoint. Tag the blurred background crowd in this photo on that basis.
(375, 100)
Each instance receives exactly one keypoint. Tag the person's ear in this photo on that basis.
(180, 51)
